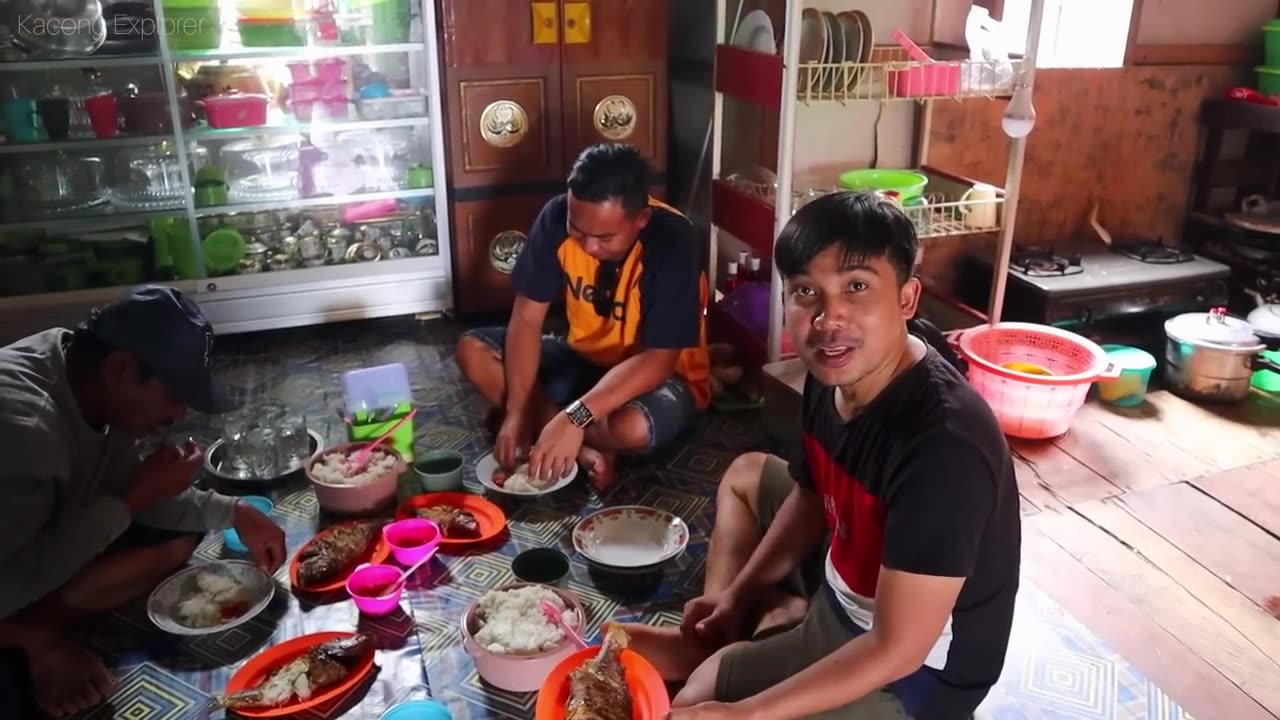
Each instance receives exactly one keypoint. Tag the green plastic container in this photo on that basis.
(1267, 380)
(1271, 36)
(1268, 80)
(402, 439)
(192, 26)
(269, 33)
(1130, 389)
(391, 20)
(907, 183)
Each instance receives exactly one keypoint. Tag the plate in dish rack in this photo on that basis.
(630, 536)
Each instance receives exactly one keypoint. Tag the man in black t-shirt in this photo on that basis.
(876, 578)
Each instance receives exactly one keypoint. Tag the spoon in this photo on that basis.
(395, 587)
(362, 458)
(554, 615)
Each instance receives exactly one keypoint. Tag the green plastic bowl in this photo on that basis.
(907, 183)
(1267, 380)
(1268, 80)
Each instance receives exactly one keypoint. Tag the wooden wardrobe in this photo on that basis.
(529, 85)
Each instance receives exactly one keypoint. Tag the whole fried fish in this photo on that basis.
(598, 689)
(455, 523)
(323, 665)
(325, 557)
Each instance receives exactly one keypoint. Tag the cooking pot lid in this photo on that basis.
(1266, 319)
(1215, 326)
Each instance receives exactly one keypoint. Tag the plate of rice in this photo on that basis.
(210, 598)
(518, 481)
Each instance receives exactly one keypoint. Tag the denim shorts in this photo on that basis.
(565, 376)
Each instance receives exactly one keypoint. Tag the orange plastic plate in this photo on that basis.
(649, 698)
(255, 672)
(381, 551)
(489, 517)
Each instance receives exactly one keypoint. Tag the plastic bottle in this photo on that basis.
(731, 277)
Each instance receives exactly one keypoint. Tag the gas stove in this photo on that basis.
(1121, 293)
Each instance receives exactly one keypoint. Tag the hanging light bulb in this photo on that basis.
(1020, 115)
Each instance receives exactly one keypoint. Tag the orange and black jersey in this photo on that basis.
(659, 303)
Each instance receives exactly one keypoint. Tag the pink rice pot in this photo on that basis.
(412, 540)
(518, 673)
(357, 499)
(366, 580)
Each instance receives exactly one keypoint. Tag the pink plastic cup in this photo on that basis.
(365, 584)
(412, 540)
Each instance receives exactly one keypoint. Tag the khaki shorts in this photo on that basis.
(750, 669)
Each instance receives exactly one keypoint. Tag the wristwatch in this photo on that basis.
(579, 414)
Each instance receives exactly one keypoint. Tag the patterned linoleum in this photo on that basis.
(1056, 668)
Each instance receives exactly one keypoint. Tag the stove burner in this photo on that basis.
(1153, 253)
(1044, 262)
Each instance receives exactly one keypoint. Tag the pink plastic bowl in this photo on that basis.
(518, 673)
(412, 540)
(366, 580)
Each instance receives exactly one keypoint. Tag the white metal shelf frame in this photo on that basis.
(791, 95)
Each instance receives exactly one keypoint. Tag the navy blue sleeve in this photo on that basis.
(798, 461)
(671, 285)
(538, 275)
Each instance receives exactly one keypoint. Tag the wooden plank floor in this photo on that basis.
(1159, 529)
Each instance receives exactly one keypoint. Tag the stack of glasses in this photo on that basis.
(264, 442)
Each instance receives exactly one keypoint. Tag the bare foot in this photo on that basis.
(67, 678)
(673, 655)
(599, 466)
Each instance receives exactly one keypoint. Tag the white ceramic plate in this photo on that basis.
(486, 466)
(755, 32)
(162, 605)
(630, 536)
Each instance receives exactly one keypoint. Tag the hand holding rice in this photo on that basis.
(512, 621)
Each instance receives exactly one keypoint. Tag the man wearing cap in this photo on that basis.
(86, 524)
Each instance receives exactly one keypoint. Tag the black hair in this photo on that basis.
(88, 351)
(863, 225)
(612, 171)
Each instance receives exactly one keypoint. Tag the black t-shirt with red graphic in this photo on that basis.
(922, 482)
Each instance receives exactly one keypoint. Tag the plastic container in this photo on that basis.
(1267, 380)
(1130, 389)
(384, 386)
(231, 538)
(269, 32)
(1027, 405)
(939, 79)
(418, 710)
(1268, 80)
(356, 499)
(907, 183)
(412, 540)
(440, 470)
(391, 21)
(545, 566)
(366, 585)
(235, 110)
(192, 25)
(1271, 37)
(517, 673)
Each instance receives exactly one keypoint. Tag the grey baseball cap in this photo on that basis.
(166, 332)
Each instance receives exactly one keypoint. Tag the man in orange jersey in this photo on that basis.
(633, 370)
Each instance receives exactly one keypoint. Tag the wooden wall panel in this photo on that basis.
(1125, 138)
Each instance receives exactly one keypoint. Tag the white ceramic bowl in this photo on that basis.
(518, 673)
(162, 605)
(356, 499)
(631, 537)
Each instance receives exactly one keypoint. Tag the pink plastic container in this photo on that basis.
(300, 71)
(365, 586)
(356, 499)
(412, 540)
(518, 673)
(331, 70)
(1028, 405)
(939, 79)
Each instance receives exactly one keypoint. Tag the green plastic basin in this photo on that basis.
(907, 183)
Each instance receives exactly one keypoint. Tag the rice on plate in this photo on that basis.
(335, 468)
(512, 621)
(218, 598)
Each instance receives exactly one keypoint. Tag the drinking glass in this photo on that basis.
(235, 454)
(261, 453)
(294, 445)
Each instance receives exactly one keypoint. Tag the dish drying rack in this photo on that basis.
(753, 210)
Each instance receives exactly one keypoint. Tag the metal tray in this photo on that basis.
(213, 461)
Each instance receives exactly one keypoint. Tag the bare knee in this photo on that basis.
(629, 429)
(473, 353)
(701, 686)
(741, 482)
